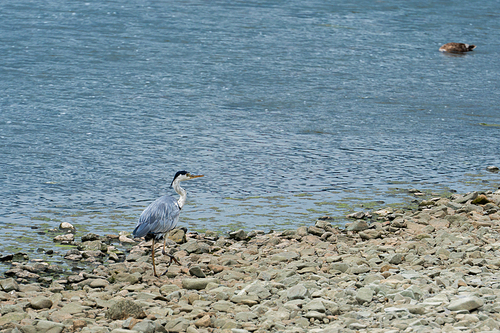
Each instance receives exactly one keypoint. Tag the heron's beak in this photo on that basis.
(195, 176)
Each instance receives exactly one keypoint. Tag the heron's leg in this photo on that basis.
(164, 243)
(153, 256)
(164, 252)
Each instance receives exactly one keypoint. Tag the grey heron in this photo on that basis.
(162, 215)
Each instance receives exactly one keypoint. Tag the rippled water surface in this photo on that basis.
(291, 109)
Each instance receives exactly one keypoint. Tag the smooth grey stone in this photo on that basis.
(40, 302)
(298, 291)
(364, 295)
(197, 284)
(466, 303)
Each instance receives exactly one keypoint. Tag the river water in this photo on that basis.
(291, 109)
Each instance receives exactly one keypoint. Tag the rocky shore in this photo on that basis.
(435, 269)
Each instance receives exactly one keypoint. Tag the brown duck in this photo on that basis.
(457, 47)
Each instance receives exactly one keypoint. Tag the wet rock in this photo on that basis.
(238, 235)
(7, 257)
(492, 168)
(315, 231)
(480, 200)
(323, 224)
(90, 237)
(126, 240)
(467, 197)
(356, 215)
(123, 309)
(66, 226)
(426, 203)
(75, 278)
(94, 245)
(65, 239)
(20, 256)
(301, 231)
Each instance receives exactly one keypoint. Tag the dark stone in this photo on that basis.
(316, 231)
(238, 235)
(356, 215)
(90, 237)
(20, 256)
(480, 200)
(196, 271)
(492, 168)
(7, 257)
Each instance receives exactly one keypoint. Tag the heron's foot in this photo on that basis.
(172, 258)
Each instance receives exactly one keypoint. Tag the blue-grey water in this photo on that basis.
(291, 109)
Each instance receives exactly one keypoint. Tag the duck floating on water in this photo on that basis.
(457, 47)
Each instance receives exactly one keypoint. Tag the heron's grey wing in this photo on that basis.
(161, 216)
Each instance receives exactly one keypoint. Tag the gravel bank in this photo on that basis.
(435, 269)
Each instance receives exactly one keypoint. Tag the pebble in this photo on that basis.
(432, 269)
(40, 302)
(467, 303)
(197, 284)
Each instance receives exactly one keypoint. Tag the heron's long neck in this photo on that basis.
(180, 191)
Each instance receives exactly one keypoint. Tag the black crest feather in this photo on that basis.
(177, 174)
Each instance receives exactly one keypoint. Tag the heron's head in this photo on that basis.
(184, 175)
